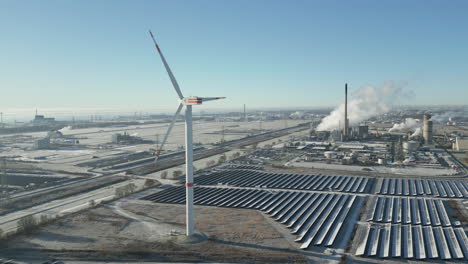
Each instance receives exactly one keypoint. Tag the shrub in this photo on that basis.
(222, 158)
(150, 182)
(27, 224)
(176, 173)
(44, 219)
(125, 190)
(210, 163)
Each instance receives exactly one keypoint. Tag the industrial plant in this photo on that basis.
(390, 186)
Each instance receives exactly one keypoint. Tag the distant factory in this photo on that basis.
(125, 138)
(347, 133)
(41, 120)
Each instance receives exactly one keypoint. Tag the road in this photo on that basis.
(60, 207)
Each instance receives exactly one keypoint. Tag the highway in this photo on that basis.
(60, 207)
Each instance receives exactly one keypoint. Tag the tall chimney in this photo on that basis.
(345, 132)
(427, 129)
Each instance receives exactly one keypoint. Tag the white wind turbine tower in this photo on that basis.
(187, 102)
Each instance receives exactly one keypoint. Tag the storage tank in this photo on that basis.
(363, 131)
(329, 154)
(410, 146)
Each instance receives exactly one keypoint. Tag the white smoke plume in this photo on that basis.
(410, 124)
(417, 132)
(447, 116)
(67, 128)
(365, 103)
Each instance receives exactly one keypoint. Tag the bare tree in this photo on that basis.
(26, 223)
(210, 163)
(151, 182)
(176, 173)
(222, 158)
(125, 190)
(44, 219)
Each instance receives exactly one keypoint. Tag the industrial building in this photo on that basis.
(43, 143)
(40, 120)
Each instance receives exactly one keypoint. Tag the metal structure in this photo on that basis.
(188, 102)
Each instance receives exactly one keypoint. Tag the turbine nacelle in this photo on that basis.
(195, 100)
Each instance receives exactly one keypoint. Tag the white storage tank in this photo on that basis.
(329, 154)
(410, 146)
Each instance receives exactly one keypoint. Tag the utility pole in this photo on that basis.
(222, 136)
(157, 141)
(261, 120)
(3, 177)
(245, 115)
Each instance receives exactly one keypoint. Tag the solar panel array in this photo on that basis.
(412, 241)
(253, 178)
(241, 166)
(413, 187)
(398, 225)
(409, 211)
(407, 227)
(316, 218)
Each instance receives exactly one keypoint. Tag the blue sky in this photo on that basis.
(98, 54)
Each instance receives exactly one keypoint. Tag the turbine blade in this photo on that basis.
(168, 69)
(169, 129)
(211, 98)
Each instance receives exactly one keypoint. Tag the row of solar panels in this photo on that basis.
(252, 178)
(316, 218)
(413, 187)
(241, 166)
(408, 211)
(409, 241)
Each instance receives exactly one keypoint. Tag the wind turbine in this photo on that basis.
(187, 102)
